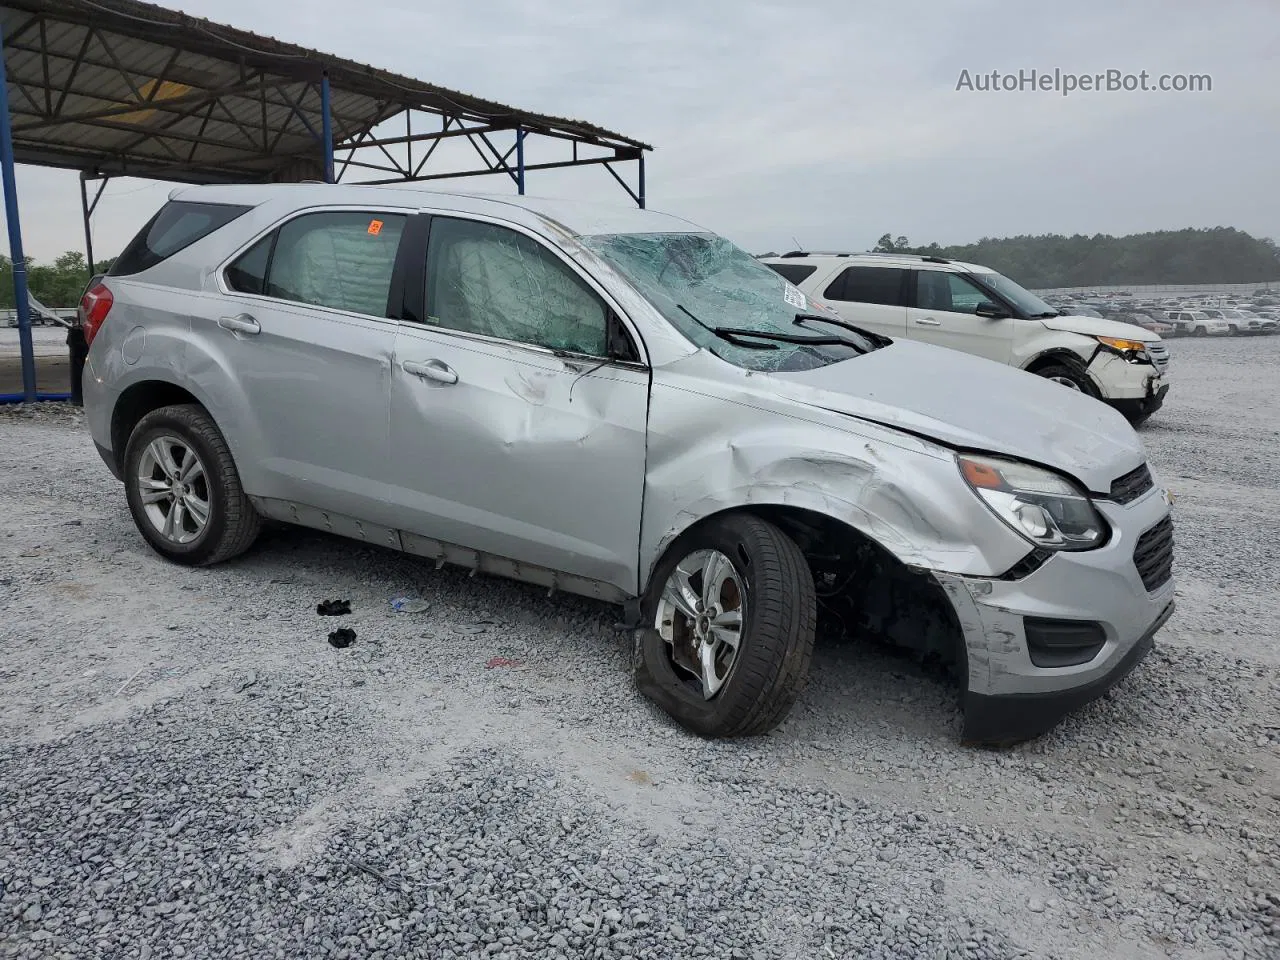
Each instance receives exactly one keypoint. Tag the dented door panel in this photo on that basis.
(526, 456)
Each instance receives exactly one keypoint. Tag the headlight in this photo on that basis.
(1045, 507)
(1135, 351)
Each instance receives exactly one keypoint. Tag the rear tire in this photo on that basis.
(1200, 332)
(184, 490)
(771, 589)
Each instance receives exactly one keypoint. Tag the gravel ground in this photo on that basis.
(187, 768)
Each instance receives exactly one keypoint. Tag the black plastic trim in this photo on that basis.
(1062, 643)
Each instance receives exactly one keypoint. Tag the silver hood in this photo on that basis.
(968, 402)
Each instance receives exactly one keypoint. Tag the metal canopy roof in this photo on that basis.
(123, 88)
(119, 87)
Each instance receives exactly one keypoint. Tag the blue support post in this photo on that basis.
(15, 237)
(326, 127)
(520, 160)
(640, 191)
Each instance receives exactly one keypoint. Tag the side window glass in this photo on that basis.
(339, 259)
(493, 281)
(882, 285)
(947, 292)
(248, 273)
(795, 272)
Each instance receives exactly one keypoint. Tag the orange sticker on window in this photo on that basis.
(375, 227)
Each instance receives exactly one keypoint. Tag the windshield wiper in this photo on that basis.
(738, 336)
(875, 339)
(1047, 313)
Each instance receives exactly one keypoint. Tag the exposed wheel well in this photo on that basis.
(864, 590)
(1053, 357)
(1066, 358)
(134, 404)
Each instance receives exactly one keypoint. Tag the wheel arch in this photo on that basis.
(1069, 358)
(900, 600)
(134, 403)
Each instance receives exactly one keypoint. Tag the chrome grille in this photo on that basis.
(1159, 355)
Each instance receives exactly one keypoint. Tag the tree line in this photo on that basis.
(1211, 255)
(56, 285)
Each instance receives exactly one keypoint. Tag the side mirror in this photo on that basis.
(990, 311)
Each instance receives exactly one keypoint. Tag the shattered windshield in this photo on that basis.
(700, 281)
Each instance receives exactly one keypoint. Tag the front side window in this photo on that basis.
(947, 292)
(1023, 300)
(700, 281)
(490, 280)
(339, 259)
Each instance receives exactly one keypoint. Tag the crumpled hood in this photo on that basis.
(1094, 327)
(968, 402)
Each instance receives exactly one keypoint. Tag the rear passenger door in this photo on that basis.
(303, 329)
(871, 297)
(942, 313)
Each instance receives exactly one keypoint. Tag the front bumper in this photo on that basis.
(1008, 696)
(1124, 383)
(1009, 718)
(1143, 407)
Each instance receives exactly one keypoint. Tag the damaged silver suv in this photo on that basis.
(622, 405)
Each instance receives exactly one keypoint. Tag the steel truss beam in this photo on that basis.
(364, 151)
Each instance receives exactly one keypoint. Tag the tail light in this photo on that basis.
(94, 307)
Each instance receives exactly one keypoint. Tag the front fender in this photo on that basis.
(707, 455)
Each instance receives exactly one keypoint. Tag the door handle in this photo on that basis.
(240, 324)
(436, 370)
(928, 322)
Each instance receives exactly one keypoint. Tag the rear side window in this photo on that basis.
(338, 259)
(178, 225)
(795, 272)
(881, 285)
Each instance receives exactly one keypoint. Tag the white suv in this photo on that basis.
(974, 309)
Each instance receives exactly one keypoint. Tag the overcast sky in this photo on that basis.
(826, 122)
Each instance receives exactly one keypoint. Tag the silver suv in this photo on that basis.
(622, 405)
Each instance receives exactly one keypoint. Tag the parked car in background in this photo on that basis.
(619, 404)
(1084, 310)
(1196, 323)
(1147, 322)
(973, 309)
(1239, 321)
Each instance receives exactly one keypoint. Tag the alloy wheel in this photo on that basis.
(173, 489)
(701, 616)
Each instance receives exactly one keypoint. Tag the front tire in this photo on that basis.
(1069, 375)
(183, 488)
(729, 621)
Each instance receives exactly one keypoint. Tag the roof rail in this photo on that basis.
(924, 258)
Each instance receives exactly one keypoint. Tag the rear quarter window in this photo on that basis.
(795, 272)
(178, 225)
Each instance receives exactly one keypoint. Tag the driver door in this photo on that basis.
(942, 313)
(518, 415)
